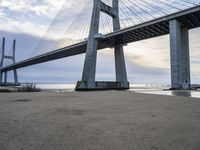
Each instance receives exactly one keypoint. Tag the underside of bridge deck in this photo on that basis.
(152, 29)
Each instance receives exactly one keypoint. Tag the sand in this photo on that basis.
(114, 120)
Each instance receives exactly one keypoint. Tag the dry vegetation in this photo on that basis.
(29, 87)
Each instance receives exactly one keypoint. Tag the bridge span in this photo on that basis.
(176, 24)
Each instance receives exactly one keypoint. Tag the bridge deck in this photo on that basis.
(158, 27)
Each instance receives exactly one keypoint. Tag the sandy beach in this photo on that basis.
(108, 120)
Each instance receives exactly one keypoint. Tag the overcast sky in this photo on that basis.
(28, 20)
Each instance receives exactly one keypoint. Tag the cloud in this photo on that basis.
(34, 16)
(43, 7)
(154, 52)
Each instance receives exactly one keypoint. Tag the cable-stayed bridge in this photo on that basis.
(148, 19)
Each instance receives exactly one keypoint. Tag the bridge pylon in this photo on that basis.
(180, 56)
(88, 77)
(3, 75)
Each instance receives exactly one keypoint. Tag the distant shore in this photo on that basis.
(60, 88)
(8, 89)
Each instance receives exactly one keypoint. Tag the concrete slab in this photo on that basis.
(102, 85)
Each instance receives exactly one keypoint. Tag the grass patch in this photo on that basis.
(29, 87)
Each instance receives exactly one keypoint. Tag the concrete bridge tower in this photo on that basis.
(180, 57)
(3, 76)
(88, 78)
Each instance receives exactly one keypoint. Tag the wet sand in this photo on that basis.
(109, 120)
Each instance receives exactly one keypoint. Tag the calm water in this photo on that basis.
(135, 88)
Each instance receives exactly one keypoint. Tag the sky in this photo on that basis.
(29, 21)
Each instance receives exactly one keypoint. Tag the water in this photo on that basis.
(57, 87)
(141, 88)
(194, 94)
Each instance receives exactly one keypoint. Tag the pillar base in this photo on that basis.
(10, 84)
(175, 89)
(103, 85)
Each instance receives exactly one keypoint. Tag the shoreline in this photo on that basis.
(142, 90)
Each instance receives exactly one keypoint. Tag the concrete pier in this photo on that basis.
(1, 77)
(120, 66)
(88, 78)
(89, 70)
(179, 51)
(1, 63)
(5, 77)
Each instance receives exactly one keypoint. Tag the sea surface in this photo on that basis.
(139, 88)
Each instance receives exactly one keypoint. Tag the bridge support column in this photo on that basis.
(4, 82)
(1, 63)
(120, 66)
(88, 78)
(1, 77)
(5, 77)
(180, 58)
(89, 70)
